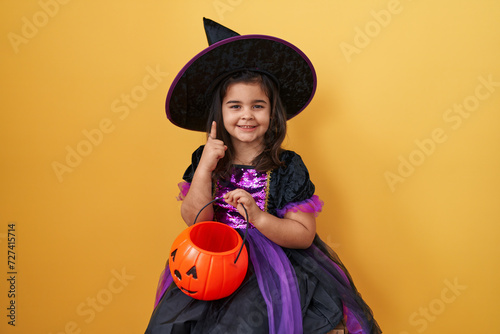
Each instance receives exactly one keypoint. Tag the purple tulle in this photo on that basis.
(184, 189)
(277, 283)
(313, 204)
(276, 279)
(165, 281)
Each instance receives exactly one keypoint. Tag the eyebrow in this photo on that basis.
(254, 101)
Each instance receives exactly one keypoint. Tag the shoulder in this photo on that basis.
(196, 156)
(289, 155)
(291, 182)
(292, 163)
(197, 153)
(195, 160)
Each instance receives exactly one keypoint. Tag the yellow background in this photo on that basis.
(411, 187)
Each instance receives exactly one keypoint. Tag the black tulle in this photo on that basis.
(326, 293)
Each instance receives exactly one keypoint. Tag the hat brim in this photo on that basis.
(187, 105)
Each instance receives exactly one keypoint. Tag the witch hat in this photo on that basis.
(187, 101)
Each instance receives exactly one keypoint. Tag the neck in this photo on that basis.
(245, 155)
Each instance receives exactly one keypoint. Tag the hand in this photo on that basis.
(214, 150)
(240, 196)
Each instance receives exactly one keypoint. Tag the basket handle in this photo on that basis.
(246, 231)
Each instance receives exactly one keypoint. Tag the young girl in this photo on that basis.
(294, 283)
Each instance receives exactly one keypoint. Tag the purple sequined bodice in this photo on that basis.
(246, 178)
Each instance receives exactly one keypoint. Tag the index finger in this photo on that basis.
(213, 130)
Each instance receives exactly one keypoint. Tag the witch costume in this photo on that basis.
(285, 290)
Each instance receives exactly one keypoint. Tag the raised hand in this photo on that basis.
(214, 150)
(200, 192)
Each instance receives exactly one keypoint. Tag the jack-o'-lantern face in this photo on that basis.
(202, 261)
(191, 272)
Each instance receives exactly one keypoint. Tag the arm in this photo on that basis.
(200, 192)
(295, 230)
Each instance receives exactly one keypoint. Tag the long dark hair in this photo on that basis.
(268, 159)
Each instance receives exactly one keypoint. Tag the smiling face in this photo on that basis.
(246, 113)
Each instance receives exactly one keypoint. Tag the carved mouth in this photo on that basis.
(188, 291)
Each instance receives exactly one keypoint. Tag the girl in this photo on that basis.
(294, 283)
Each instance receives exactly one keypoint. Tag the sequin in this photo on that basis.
(246, 178)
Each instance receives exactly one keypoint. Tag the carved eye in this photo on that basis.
(192, 272)
(177, 274)
(173, 255)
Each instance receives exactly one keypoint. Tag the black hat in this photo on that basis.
(187, 103)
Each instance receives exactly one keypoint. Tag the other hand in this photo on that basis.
(240, 196)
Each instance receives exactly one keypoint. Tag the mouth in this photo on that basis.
(247, 127)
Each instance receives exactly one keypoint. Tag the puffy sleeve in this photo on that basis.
(291, 189)
(189, 173)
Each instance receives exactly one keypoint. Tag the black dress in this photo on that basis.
(285, 290)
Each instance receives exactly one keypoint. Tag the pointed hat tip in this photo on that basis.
(216, 32)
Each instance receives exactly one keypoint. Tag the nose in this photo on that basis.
(247, 113)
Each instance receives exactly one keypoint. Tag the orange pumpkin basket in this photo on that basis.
(208, 260)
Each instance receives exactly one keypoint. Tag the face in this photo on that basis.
(246, 112)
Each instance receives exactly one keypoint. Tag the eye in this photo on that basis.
(234, 106)
(192, 272)
(258, 106)
(173, 255)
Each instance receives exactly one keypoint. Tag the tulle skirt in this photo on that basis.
(284, 291)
